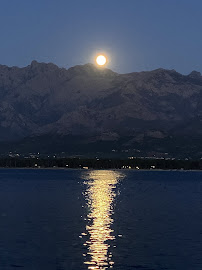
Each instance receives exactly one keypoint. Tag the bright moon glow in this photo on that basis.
(101, 60)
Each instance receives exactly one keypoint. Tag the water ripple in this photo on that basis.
(99, 195)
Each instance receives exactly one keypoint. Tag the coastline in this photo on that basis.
(97, 169)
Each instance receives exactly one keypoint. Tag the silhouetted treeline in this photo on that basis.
(136, 163)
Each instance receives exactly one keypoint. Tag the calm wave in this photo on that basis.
(74, 219)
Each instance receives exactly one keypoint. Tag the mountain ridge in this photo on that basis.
(99, 105)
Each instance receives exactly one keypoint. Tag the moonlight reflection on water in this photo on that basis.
(99, 195)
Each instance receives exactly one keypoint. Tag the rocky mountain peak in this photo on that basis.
(34, 63)
(90, 70)
(195, 74)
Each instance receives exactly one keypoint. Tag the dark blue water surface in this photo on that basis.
(82, 219)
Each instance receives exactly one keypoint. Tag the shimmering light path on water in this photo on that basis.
(100, 193)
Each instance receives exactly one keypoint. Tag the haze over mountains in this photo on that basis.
(86, 109)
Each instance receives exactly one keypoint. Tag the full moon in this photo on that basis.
(101, 60)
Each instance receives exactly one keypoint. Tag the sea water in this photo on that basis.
(100, 219)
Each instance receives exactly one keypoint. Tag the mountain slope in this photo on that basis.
(126, 111)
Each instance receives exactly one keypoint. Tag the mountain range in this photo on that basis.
(90, 110)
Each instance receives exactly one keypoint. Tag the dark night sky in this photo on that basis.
(136, 35)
